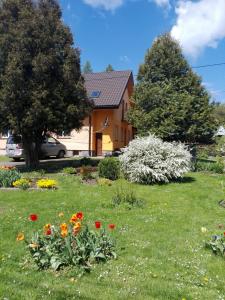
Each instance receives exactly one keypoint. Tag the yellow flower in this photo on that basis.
(203, 230)
(20, 237)
(61, 214)
(47, 227)
(64, 233)
(73, 219)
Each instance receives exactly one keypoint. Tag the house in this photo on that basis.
(106, 129)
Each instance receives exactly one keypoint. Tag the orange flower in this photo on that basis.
(74, 218)
(64, 233)
(20, 237)
(76, 228)
(63, 227)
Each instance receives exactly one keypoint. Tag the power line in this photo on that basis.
(210, 65)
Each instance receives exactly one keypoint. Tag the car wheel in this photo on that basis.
(17, 159)
(61, 154)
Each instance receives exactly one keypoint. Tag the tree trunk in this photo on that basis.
(31, 152)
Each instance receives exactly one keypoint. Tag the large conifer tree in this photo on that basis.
(41, 87)
(170, 98)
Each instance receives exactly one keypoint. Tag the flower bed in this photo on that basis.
(70, 243)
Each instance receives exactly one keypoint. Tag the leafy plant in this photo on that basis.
(149, 160)
(85, 161)
(210, 166)
(69, 170)
(71, 244)
(128, 197)
(217, 244)
(8, 176)
(46, 183)
(22, 183)
(109, 168)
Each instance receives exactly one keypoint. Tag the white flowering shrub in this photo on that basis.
(149, 159)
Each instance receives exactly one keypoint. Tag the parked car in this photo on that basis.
(49, 147)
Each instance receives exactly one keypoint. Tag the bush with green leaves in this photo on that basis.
(85, 161)
(150, 160)
(109, 168)
(8, 176)
(69, 171)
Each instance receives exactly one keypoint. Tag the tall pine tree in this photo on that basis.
(170, 98)
(41, 87)
(109, 68)
(87, 68)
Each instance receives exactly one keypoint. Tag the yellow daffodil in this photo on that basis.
(20, 237)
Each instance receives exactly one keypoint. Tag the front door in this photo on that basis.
(99, 144)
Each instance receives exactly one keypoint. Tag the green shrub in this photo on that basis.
(69, 170)
(217, 244)
(85, 161)
(127, 197)
(7, 177)
(109, 168)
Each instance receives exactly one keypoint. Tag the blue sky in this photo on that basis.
(120, 31)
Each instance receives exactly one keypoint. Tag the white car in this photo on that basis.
(49, 147)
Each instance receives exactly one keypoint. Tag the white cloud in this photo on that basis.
(199, 24)
(105, 4)
(162, 3)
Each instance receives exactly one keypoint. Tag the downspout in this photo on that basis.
(89, 142)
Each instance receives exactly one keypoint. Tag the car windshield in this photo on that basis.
(14, 139)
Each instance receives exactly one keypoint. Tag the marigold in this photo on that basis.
(20, 237)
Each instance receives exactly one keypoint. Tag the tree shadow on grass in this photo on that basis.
(56, 166)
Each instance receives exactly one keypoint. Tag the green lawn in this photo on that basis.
(160, 247)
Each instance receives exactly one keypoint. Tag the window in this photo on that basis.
(95, 94)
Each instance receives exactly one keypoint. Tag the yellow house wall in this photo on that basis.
(78, 140)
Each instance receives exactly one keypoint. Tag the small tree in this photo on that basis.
(171, 101)
(41, 87)
(87, 68)
(109, 68)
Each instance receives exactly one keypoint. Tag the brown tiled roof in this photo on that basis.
(111, 86)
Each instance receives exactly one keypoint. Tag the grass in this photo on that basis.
(4, 158)
(160, 247)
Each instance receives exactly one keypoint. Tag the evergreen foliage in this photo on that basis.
(109, 68)
(170, 98)
(41, 87)
(87, 68)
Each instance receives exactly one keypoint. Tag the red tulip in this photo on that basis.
(98, 224)
(224, 233)
(33, 217)
(48, 232)
(112, 226)
(80, 215)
